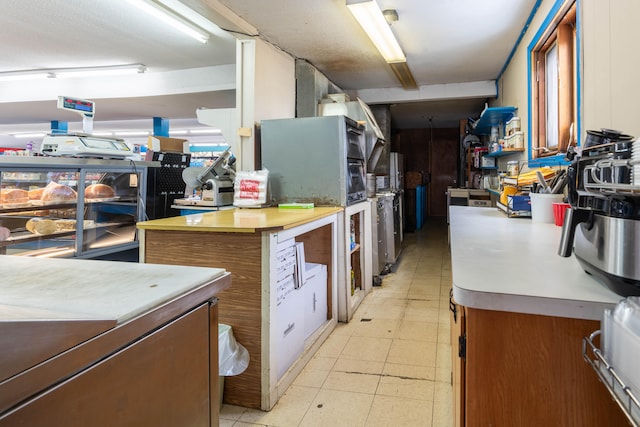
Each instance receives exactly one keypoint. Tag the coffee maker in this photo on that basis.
(602, 226)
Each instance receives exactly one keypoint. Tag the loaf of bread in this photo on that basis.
(13, 195)
(98, 191)
(41, 226)
(54, 192)
(36, 193)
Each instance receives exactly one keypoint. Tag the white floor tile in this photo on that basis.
(389, 366)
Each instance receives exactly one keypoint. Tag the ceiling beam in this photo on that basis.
(226, 19)
(480, 89)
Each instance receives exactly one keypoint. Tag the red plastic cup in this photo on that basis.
(559, 210)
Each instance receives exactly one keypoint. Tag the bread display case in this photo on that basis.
(70, 207)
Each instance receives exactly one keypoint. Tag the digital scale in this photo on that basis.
(83, 144)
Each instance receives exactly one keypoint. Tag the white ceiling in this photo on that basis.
(452, 42)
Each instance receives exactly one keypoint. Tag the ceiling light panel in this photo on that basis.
(172, 18)
(371, 19)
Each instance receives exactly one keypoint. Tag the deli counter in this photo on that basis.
(70, 207)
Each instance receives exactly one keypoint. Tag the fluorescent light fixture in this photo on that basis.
(29, 135)
(174, 18)
(102, 133)
(51, 73)
(131, 133)
(117, 70)
(370, 17)
(22, 75)
(205, 131)
(208, 144)
(178, 132)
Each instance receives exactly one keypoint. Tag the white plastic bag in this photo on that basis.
(250, 188)
(233, 358)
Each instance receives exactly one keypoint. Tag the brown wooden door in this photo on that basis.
(443, 169)
(434, 154)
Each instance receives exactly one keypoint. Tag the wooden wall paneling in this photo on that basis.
(239, 305)
(528, 370)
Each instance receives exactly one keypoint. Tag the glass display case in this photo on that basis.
(70, 207)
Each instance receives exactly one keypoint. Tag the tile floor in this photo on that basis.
(389, 366)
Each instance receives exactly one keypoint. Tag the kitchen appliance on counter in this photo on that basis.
(602, 226)
(215, 182)
(81, 145)
(316, 160)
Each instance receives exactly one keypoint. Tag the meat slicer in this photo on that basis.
(214, 183)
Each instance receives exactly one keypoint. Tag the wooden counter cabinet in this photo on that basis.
(247, 243)
(520, 325)
(527, 370)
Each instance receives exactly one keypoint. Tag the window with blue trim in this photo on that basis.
(553, 55)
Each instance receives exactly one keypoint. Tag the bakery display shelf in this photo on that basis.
(36, 205)
(620, 392)
(113, 215)
(26, 236)
(25, 181)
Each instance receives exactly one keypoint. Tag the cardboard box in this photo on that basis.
(166, 145)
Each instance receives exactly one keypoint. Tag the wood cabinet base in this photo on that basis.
(528, 370)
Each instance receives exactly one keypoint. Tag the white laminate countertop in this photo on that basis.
(512, 264)
(42, 289)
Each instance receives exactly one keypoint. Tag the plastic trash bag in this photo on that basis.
(233, 358)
